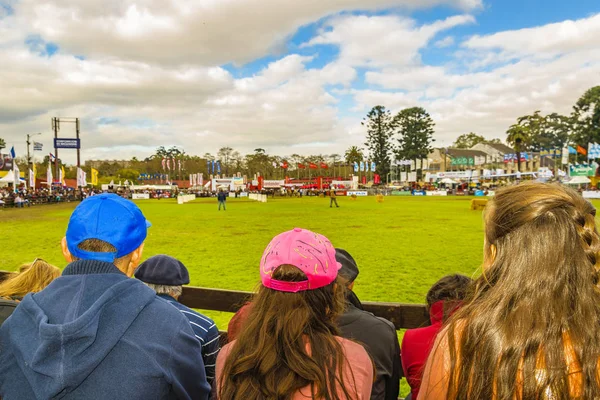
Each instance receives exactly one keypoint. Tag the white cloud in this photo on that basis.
(378, 41)
(548, 40)
(445, 42)
(208, 32)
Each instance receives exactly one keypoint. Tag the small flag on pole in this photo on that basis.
(12, 152)
(37, 146)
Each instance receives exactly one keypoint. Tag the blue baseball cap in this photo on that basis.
(109, 218)
(163, 270)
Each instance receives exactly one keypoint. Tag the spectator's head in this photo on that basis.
(106, 228)
(298, 303)
(451, 289)
(164, 275)
(535, 310)
(32, 278)
(349, 270)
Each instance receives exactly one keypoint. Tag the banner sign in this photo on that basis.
(437, 193)
(6, 162)
(582, 170)
(140, 196)
(66, 143)
(452, 175)
(272, 184)
(591, 194)
(401, 193)
(357, 193)
(463, 161)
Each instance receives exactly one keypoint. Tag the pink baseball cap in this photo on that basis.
(311, 252)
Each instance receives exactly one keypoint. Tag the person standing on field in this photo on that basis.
(222, 198)
(333, 198)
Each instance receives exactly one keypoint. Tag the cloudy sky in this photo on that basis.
(288, 76)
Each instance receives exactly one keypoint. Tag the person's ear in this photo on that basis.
(134, 261)
(65, 250)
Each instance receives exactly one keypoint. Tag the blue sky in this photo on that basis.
(300, 77)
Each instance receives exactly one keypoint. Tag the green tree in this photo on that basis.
(516, 137)
(415, 129)
(353, 155)
(129, 174)
(557, 129)
(535, 137)
(586, 117)
(224, 155)
(468, 140)
(2, 144)
(379, 124)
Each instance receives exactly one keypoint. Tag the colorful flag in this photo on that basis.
(31, 179)
(362, 166)
(62, 175)
(81, 178)
(218, 167)
(49, 176)
(593, 151)
(34, 175)
(17, 176)
(373, 167)
(191, 179)
(52, 157)
(355, 167)
(168, 164)
(312, 166)
(581, 150)
(164, 163)
(284, 165)
(324, 166)
(200, 179)
(301, 166)
(37, 146)
(571, 150)
(94, 177)
(12, 152)
(179, 165)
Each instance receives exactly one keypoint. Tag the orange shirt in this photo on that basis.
(437, 371)
(358, 364)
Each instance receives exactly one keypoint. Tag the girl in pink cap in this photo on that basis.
(290, 348)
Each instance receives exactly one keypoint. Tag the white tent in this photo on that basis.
(578, 180)
(9, 178)
(448, 181)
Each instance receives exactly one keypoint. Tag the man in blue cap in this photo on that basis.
(166, 276)
(93, 333)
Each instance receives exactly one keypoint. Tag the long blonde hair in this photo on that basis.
(33, 278)
(529, 328)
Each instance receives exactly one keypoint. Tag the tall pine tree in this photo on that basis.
(415, 129)
(379, 132)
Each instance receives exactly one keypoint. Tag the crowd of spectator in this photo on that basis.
(525, 329)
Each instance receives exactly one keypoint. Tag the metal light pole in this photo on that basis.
(28, 156)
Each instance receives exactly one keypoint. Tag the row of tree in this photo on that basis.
(407, 135)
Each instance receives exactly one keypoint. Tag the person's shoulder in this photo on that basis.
(194, 315)
(381, 325)
(354, 351)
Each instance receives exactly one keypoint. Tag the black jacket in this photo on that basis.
(378, 335)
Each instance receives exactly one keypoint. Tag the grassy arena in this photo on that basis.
(402, 245)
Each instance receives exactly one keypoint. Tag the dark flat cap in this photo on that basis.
(349, 270)
(163, 270)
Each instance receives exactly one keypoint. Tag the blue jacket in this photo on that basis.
(206, 332)
(221, 196)
(96, 334)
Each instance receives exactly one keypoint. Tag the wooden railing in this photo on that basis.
(403, 316)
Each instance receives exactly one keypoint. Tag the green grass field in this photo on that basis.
(402, 245)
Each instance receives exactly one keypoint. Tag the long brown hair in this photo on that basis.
(33, 278)
(529, 329)
(269, 360)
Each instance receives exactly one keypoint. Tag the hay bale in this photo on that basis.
(478, 204)
(379, 198)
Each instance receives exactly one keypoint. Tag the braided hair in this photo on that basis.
(529, 327)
